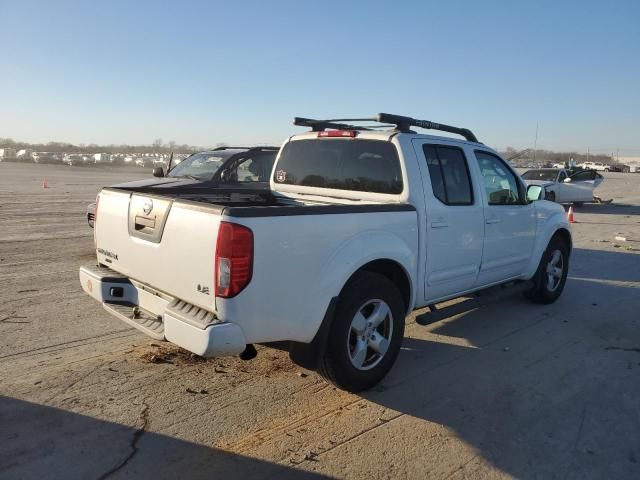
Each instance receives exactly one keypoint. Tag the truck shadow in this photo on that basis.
(607, 209)
(538, 391)
(45, 442)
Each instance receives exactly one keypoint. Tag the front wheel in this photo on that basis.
(366, 333)
(551, 276)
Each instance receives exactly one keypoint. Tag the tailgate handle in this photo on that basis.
(143, 222)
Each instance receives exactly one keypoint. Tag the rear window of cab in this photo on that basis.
(342, 164)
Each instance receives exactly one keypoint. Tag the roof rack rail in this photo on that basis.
(402, 123)
(245, 148)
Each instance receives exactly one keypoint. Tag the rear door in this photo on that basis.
(454, 224)
(510, 222)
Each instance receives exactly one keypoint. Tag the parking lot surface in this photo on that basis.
(488, 386)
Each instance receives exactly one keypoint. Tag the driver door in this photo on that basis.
(581, 187)
(510, 222)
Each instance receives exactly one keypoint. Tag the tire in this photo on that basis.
(363, 302)
(547, 287)
(578, 204)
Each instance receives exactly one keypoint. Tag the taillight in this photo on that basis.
(234, 259)
(95, 222)
(337, 133)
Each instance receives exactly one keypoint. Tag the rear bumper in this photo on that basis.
(161, 316)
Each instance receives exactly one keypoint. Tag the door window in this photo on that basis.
(500, 183)
(449, 174)
(584, 176)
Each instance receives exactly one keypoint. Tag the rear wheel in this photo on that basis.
(551, 276)
(366, 333)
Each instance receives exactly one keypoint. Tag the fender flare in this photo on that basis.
(554, 224)
(360, 250)
(347, 259)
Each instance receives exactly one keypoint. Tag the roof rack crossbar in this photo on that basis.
(402, 123)
(321, 125)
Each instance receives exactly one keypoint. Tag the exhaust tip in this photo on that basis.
(249, 353)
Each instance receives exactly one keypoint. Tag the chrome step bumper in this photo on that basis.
(161, 316)
(149, 323)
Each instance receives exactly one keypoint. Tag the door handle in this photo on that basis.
(439, 224)
(489, 221)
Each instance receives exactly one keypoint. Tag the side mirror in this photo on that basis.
(158, 172)
(567, 180)
(534, 192)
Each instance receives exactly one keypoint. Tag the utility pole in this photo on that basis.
(535, 144)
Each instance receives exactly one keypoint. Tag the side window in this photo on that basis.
(584, 176)
(561, 177)
(254, 168)
(500, 183)
(449, 174)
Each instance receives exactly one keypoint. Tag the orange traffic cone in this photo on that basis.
(570, 215)
(45, 183)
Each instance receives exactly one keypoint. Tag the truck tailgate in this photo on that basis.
(169, 245)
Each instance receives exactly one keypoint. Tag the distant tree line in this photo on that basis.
(560, 157)
(158, 146)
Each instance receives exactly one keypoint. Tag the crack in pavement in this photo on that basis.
(133, 445)
(13, 316)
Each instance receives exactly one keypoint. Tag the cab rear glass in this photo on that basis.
(342, 164)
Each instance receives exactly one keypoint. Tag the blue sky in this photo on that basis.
(238, 71)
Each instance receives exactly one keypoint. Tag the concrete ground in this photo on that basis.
(486, 387)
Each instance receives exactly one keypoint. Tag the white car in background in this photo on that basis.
(598, 166)
(564, 186)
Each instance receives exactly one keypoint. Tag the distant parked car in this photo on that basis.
(75, 159)
(47, 158)
(598, 166)
(144, 162)
(564, 186)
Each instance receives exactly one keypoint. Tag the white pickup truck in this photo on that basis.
(598, 166)
(361, 227)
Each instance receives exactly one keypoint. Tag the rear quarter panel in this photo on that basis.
(301, 262)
